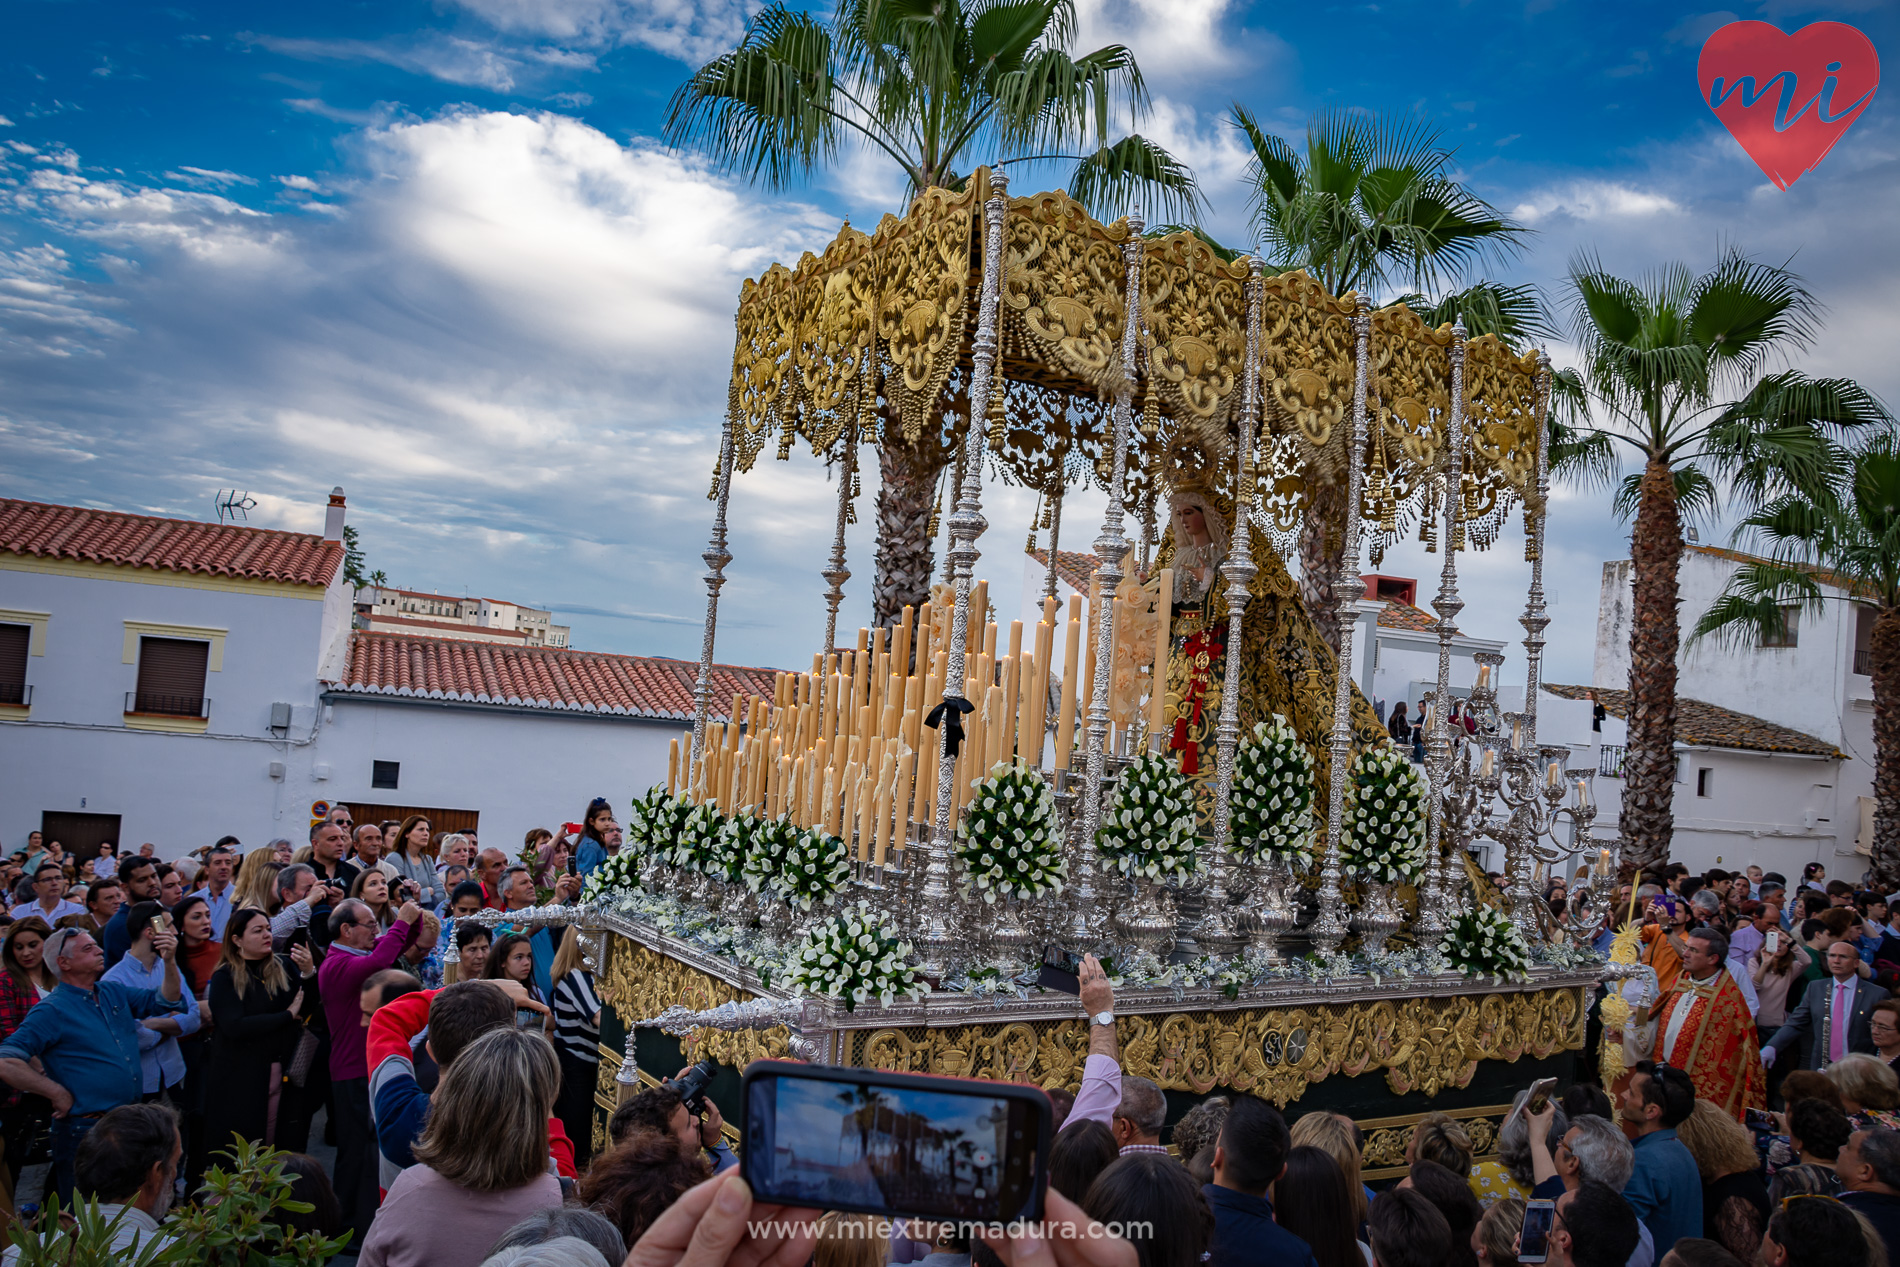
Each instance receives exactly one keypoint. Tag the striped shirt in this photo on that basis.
(574, 1006)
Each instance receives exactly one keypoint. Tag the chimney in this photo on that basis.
(333, 516)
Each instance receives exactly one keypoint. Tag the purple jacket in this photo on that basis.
(340, 984)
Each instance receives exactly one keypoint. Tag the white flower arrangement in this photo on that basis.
(733, 847)
(1272, 802)
(802, 865)
(619, 874)
(1384, 837)
(854, 957)
(1484, 943)
(696, 847)
(1149, 828)
(654, 822)
(1008, 842)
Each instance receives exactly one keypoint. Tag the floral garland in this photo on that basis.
(1273, 796)
(696, 848)
(799, 864)
(1149, 829)
(619, 874)
(1008, 842)
(654, 822)
(1485, 943)
(854, 957)
(1384, 835)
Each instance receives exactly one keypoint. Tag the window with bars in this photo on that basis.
(171, 677)
(1790, 633)
(14, 641)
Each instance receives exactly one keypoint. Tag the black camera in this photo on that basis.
(691, 1086)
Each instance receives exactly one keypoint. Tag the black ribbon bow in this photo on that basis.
(948, 716)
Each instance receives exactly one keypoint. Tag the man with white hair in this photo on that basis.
(85, 1035)
(1592, 1150)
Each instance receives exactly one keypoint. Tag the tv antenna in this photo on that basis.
(233, 505)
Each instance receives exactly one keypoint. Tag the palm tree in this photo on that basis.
(935, 86)
(1372, 204)
(1672, 372)
(1839, 541)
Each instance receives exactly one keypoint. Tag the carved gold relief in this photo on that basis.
(638, 983)
(1424, 1045)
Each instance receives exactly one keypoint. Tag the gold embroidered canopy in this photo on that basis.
(875, 334)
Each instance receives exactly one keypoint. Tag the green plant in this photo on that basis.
(1008, 842)
(654, 822)
(804, 866)
(696, 847)
(1149, 828)
(1484, 943)
(233, 1223)
(1271, 810)
(1384, 837)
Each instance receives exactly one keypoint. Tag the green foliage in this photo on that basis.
(353, 560)
(654, 822)
(233, 1223)
(934, 85)
(804, 866)
(1370, 204)
(697, 846)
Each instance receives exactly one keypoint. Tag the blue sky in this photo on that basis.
(437, 254)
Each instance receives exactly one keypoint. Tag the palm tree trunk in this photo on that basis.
(1649, 768)
(1322, 551)
(1886, 675)
(906, 552)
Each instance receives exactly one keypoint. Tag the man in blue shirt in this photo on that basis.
(1665, 1188)
(139, 878)
(218, 890)
(161, 1064)
(85, 1035)
(1248, 1157)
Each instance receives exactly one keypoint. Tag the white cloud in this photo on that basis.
(205, 178)
(301, 183)
(1594, 200)
(438, 55)
(690, 30)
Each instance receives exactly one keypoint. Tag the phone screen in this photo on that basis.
(1534, 1240)
(527, 1018)
(931, 1148)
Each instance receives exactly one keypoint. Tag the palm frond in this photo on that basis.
(1696, 494)
(1167, 230)
(1135, 169)
(1515, 314)
(1742, 309)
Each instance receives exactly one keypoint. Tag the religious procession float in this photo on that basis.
(874, 866)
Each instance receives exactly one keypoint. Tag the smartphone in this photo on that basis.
(528, 1018)
(1540, 1095)
(1533, 1242)
(1061, 970)
(1771, 944)
(897, 1144)
(164, 921)
(1758, 1119)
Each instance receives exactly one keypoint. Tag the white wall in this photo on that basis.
(519, 769)
(74, 753)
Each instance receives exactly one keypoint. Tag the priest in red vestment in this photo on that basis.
(1702, 1026)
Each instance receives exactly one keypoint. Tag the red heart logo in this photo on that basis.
(1788, 98)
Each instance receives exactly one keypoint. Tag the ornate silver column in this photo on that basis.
(1219, 931)
(716, 557)
(1055, 536)
(936, 934)
(1111, 547)
(1521, 896)
(1434, 917)
(1328, 928)
(835, 572)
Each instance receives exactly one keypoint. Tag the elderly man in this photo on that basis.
(366, 851)
(129, 1165)
(1869, 1171)
(1593, 1150)
(298, 895)
(218, 890)
(517, 894)
(488, 871)
(1705, 1025)
(85, 1036)
(49, 896)
(356, 954)
(1836, 1010)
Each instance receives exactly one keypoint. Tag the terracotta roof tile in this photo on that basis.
(174, 545)
(538, 677)
(1712, 726)
(1399, 615)
(1074, 567)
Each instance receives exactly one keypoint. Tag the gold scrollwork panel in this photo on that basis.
(1423, 1045)
(1383, 1156)
(638, 982)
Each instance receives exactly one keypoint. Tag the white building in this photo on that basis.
(384, 609)
(170, 681)
(1775, 743)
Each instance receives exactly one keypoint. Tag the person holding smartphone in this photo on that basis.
(1776, 968)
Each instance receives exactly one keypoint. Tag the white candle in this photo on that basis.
(1583, 794)
(1490, 763)
(1555, 775)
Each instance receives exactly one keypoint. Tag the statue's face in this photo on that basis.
(1194, 521)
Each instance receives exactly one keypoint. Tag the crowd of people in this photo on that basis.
(151, 1013)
